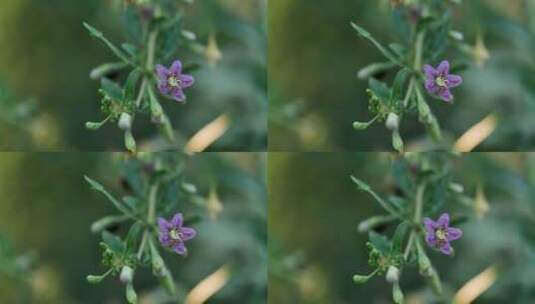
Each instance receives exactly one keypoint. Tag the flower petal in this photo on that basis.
(180, 248)
(188, 233)
(431, 239)
(454, 80)
(177, 220)
(429, 72)
(443, 220)
(161, 71)
(446, 95)
(431, 86)
(164, 239)
(430, 225)
(176, 68)
(163, 87)
(444, 68)
(187, 80)
(454, 234)
(163, 225)
(446, 248)
(179, 95)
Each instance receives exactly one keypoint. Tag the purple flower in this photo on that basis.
(172, 82)
(439, 81)
(173, 234)
(439, 234)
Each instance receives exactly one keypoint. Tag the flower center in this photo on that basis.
(441, 234)
(175, 234)
(174, 82)
(441, 81)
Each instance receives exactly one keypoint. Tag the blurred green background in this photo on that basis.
(314, 56)
(46, 54)
(315, 249)
(47, 208)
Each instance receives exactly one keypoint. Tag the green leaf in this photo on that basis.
(380, 89)
(373, 69)
(170, 36)
(398, 49)
(106, 68)
(114, 243)
(98, 187)
(402, 176)
(380, 242)
(399, 236)
(364, 187)
(97, 34)
(133, 236)
(399, 83)
(130, 85)
(131, 49)
(111, 89)
(365, 34)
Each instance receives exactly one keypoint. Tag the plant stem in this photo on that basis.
(153, 197)
(151, 50)
(418, 45)
(417, 218)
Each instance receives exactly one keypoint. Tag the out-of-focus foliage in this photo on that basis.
(316, 265)
(15, 120)
(54, 219)
(315, 94)
(50, 59)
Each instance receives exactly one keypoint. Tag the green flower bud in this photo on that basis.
(131, 295)
(129, 141)
(357, 125)
(96, 125)
(397, 294)
(158, 266)
(95, 279)
(105, 69)
(397, 142)
(361, 279)
(373, 222)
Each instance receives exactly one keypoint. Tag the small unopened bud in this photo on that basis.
(190, 188)
(129, 141)
(397, 294)
(457, 188)
(392, 121)
(392, 274)
(131, 295)
(93, 279)
(360, 279)
(373, 222)
(456, 35)
(357, 125)
(125, 121)
(93, 125)
(127, 274)
(189, 35)
(397, 141)
(424, 265)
